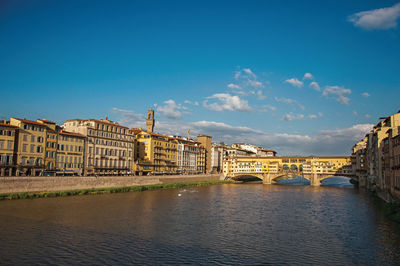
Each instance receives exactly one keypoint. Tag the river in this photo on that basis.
(220, 224)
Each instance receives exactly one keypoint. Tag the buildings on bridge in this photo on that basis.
(376, 158)
(313, 168)
(220, 152)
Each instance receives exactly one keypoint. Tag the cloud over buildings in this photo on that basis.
(324, 142)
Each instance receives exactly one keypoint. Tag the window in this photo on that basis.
(24, 147)
(1, 144)
(25, 137)
(32, 138)
(32, 148)
(9, 145)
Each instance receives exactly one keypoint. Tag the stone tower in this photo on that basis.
(150, 120)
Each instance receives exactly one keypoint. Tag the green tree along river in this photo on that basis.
(220, 224)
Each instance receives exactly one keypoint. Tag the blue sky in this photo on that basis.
(233, 69)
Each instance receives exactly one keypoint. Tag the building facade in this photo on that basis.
(109, 149)
(379, 158)
(188, 152)
(7, 143)
(29, 150)
(155, 153)
(205, 142)
(70, 153)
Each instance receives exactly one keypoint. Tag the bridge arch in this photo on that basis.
(247, 178)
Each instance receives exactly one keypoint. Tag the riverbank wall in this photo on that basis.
(61, 183)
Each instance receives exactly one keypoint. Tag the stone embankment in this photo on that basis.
(60, 183)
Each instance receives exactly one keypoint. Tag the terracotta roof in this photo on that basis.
(106, 122)
(267, 150)
(160, 135)
(203, 136)
(135, 130)
(188, 140)
(191, 145)
(30, 122)
(7, 125)
(72, 134)
(76, 119)
(47, 121)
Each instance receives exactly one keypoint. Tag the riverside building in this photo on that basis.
(109, 149)
(7, 142)
(29, 152)
(381, 155)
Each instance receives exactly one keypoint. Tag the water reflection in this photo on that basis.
(294, 181)
(335, 181)
(225, 224)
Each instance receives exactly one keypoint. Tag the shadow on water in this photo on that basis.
(335, 181)
(293, 181)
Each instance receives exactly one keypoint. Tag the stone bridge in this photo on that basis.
(269, 169)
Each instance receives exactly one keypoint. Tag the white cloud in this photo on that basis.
(260, 95)
(338, 92)
(292, 117)
(234, 86)
(312, 116)
(324, 142)
(308, 76)
(190, 102)
(246, 82)
(380, 19)
(256, 84)
(320, 114)
(249, 72)
(226, 102)
(355, 113)
(170, 109)
(295, 82)
(266, 108)
(366, 94)
(367, 116)
(315, 86)
(290, 101)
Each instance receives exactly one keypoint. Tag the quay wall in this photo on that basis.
(60, 183)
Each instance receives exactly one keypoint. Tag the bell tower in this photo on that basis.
(150, 120)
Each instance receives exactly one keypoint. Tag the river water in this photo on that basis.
(221, 224)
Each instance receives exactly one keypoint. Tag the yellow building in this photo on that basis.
(7, 141)
(234, 166)
(155, 153)
(50, 154)
(70, 153)
(30, 142)
(202, 160)
(205, 141)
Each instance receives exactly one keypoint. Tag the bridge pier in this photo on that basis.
(315, 179)
(267, 179)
